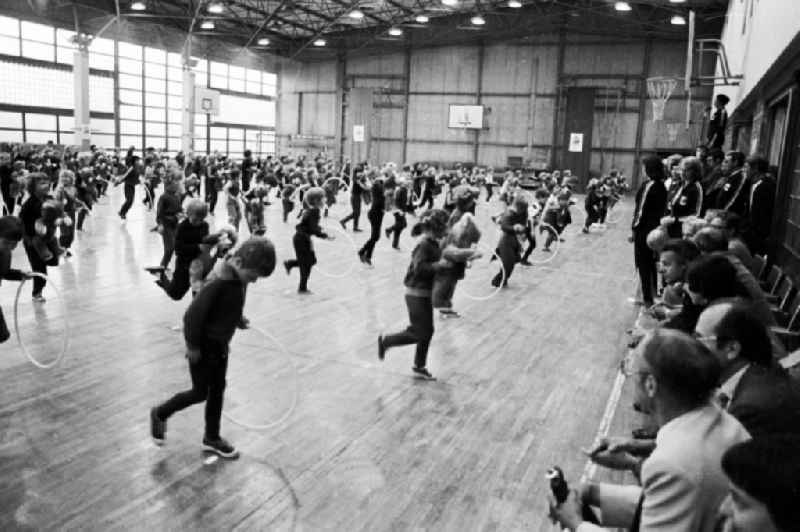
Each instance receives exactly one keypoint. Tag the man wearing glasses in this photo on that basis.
(682, 483)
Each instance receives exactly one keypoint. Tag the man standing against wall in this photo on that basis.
(651, 204)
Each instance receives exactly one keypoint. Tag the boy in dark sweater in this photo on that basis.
(188, 237)
(167, 214)
(208, 326)
(426, 262)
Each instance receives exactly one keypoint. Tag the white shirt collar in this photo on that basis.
(729, 386)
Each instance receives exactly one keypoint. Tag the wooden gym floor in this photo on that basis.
(523, 381)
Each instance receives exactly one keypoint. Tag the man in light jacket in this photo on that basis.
(682, 483)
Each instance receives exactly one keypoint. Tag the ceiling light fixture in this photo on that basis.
(677, 1)
(622, 6)
(477, 20)
(207, 25)
(138, 6)
(514, 3)
(356, 14)
(422, 19)
(215, 8)
(396, 32)
(320, 42)
(677, 20)
(263, 41)
(450, 2)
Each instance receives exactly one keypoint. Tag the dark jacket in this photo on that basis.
(212, 317)
(168, 209)
(650, 207)
(733, 196)
(762, 202)
(187, 241)
(423, 266)
(688, 201)
(767, 401)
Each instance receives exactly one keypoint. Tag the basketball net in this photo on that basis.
(672, 131)
(659, 90)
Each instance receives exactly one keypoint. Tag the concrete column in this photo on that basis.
(187, 109)
(80, 77)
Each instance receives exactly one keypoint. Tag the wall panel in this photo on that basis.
(319, 114)
(447, 69)
(604, 59)
(447, 153)
(388, 123)
(376, 64)
(387, 150)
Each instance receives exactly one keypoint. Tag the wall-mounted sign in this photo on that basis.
(358, 133)
(576, 142)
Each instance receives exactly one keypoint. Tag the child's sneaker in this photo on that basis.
(423, 373)
(158, 428)
(244, 323)
(388, 233)
(546, 249)
(39, 298)
(287, 267)
(585, 230)
(155, 270)
(221, 447)
(561, 240)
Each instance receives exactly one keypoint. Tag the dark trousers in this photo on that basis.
(552, 235)
(645, 260)
(305, 272)
(66, 235)
(149, 194)
(81, 217)
(420, 330)
(531, 242)
(427, 198)
(208, 384)
(489, 191)
(592, 217)
(129, 193)
(168, 241)
(8, 199)
(375, 222)
(288, 205)
(38, 265)
(395, 230)
(355, 204)
(180, 283)
(212, 195)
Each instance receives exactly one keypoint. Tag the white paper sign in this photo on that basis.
(358, 133)
(576, 142)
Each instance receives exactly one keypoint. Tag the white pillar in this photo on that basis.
(187, 115)
(80, 77)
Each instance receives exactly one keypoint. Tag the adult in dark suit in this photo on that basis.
(733, 196)
(762, 202)
(718, 122)
(651, 204)
(753, 387)
(713, 180)
(688, 200)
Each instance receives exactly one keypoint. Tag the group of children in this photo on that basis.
(217, 272)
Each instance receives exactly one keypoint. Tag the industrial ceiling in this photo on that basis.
(309, 29)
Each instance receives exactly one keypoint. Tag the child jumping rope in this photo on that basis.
(305, 258)
(426, 261)
(208, 326)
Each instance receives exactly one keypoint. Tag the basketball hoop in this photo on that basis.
(659, 90)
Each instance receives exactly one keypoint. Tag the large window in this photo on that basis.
(38, 98)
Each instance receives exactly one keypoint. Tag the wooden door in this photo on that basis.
(576, 154)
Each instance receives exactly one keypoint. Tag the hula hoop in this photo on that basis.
(349, 270)
(610, 219)
(149, 196)
(554, 252)
(295, 395)
(65, 336)
(497, 289)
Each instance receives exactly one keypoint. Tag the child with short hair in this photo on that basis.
(10, 236)
(213, 247)
(426, 261)
(208, 326)
(558, 217)
(512, 223)
(188, 237)
(403, 203)
(233, 203)
(305, 258)
(254, 209)
(168, 214)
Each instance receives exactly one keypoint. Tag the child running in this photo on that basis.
(305, 258)
(426, 261)
(208, 325)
